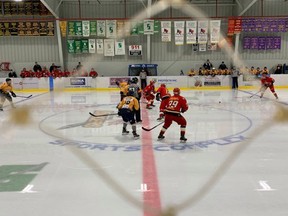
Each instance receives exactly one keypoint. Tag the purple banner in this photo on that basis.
(261, 43)
(254, 43)
(277, 42)
(245, 25)
(269, 43)
(282, 25)
(246, 42)
(259, 24)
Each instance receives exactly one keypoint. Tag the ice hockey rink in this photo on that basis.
(57, 160)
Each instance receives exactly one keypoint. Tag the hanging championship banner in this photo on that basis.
(63, 28)
(166, 31)
(136, 28)
(77, 46)
(92, 48)
(120, 28)
(202, 32)
(202, 47)
(157, 26)
(101, 28)
(120, 47)
(71, 46)
(71, 29)
(86, 28)
(191, 32)
(78, 28)
(215, 30)
(84, 46)
(179, 32)
(93, 28)
(100, 46)
(111, 28)
(148, 26)
(109, 47)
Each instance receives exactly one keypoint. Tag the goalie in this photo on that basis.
(267, 82)
(5, 91)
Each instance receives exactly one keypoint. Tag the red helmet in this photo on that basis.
(176, 91)
(163, 85)
(152, 82)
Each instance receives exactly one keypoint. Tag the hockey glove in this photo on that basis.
(158, 97)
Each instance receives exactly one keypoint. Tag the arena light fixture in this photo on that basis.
(18, 0)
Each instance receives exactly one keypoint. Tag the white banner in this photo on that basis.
(100, 46)
(86, 28)
(101, 28)
(92, 47)
(166, 31)
(148, 26)
(179, 32)
(202, 47)
(120, 47)
(215, 30)
(191, 32)
(109, 47)
(111, 29)
(202, 31)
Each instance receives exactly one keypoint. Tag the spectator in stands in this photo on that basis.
(278, 70)
(12, 74)
(222, 66)
(181, 73)
(207, 65)
(53, 67)
(37, 67)
(74, 72)
(79, 66)
(67, 73)
(265, 70)
(191, 72)
(93, 73)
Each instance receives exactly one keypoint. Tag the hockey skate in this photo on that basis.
(136, 136)
(183, 139)
(124, 131)
(161, 137)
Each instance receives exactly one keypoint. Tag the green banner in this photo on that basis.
(78, 47)
(84, 46)
(136, 28)
(71, 46)
(78, 28)
(93, 28)
(157, 26)
(71, 29)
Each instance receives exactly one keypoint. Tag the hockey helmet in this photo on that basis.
(134, 80)
(163, 85)
(176, 91)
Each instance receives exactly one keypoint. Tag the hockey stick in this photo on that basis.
(255, 94)
(24, 96)
(149, 129)
(102, 115)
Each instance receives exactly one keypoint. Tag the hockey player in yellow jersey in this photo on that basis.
(5, 90)
(123, 89)
(126, 108)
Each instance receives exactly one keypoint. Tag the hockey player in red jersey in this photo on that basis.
(174, 106)
(149, 92)
(267, 82)
(162, 94)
